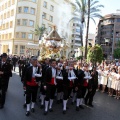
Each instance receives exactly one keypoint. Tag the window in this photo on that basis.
(17, 34)
(45, 4)
(77, 36)
(25, 9)
(30, 36)
(33, 0)
(16, 49)
(4, 15)
(5, 5)
(8, 14)
(78, 30)
(24, 22)
(18, 21)
(31, 23)
(32, 11)
(13, 1)
(23, 35)
(51, 18)
(22, 49)
(19, 9)
(44, 15)
(7, 25)
(51, 8)
(118, 19)
(11, 24)
(12, 12)
(8, 3)
(10, 35)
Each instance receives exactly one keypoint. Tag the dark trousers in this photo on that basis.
(59, 86)
(31, 94)
(20, 70)
(66, 92)
(42, 90)
(84, 89)
(3, 88)
(80, 92)
(14, 66)
(90, 95)
(7, 83)
(50, 92)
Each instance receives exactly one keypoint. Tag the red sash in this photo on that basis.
(32, 82)
(71, 83)
(52, 82)
(85, 84)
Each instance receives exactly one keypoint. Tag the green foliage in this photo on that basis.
(117, 53)
(38, 31)
(95, 54)
(80, 58)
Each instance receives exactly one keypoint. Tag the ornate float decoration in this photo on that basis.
(51, 45)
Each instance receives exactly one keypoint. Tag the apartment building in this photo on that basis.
(19, 17)
(108, 34)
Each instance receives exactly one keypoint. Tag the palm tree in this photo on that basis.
(39, 31)
(92, 12)
(84, 11)
(79, 15)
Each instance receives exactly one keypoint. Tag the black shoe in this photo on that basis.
(25, 105)
(32, 110)
(51, 110)
(67, 107)
(81, 107)
(27, 113)
(45, 113)
(77, 108)
(42, 106)
(64, 111)
(90, 105)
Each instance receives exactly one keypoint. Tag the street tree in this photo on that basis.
(95, 55)
(39, 31)
(117, 51)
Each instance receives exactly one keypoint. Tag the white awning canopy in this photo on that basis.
(32, 46)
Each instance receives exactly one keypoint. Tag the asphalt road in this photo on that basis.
(105, 108)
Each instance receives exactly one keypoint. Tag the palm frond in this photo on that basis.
(93, 20)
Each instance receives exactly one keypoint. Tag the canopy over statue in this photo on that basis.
(51, 45)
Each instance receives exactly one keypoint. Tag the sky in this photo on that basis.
(110, 6)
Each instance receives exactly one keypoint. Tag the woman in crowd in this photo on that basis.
(104, 78)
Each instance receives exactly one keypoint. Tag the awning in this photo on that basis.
(32, 46)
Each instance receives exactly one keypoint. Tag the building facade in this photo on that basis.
(19, 17)
(75, 39)
(108, 34)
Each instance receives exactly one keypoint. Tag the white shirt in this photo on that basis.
(54, 75)
(87, 75)
(34, 71)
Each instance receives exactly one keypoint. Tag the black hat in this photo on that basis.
(4, 55)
